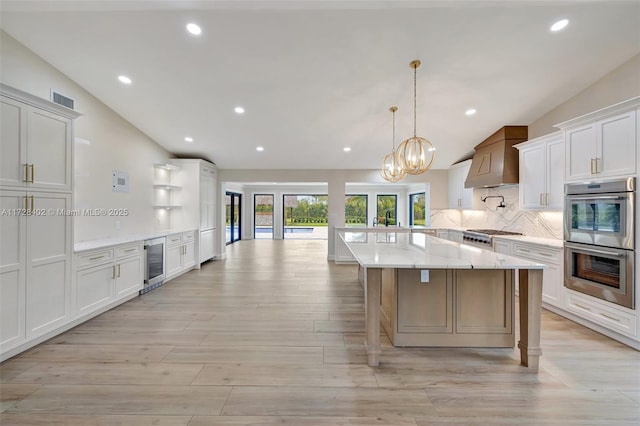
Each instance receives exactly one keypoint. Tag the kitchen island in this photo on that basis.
(433, 292)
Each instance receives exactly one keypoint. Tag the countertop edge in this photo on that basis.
(83, 246)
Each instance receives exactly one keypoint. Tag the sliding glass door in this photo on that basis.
(417, 209)
(263, 216)
(305, 216)
(233, 203)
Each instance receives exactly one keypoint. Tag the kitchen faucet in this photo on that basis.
(387, 218)
(499, 206)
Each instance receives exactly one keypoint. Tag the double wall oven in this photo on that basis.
(599, 233)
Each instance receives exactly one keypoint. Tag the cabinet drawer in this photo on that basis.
(128, 250)
(606, 316)
(187, 237)
(537, 253)
(174, 239)
(94, 258)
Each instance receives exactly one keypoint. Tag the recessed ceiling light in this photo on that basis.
(470, 111)
(347, 149)
(259, 148)
(194, 29)
(188, 139)
(239, 110)
(124, 79)
(560, 25)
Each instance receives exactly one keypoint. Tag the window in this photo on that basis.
(387, 209)
(417, 209)
(305, 216)
(355, 210)
(263, 216)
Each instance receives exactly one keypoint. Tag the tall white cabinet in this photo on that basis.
(198, 180)
(35, 196)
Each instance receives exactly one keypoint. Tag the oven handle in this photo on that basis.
(589, 250)
(597, 197)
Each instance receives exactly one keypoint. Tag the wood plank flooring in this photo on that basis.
(274, 336)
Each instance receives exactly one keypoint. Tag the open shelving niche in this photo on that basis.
(164, 193)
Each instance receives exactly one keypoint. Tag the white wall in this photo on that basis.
(104, 142)
(619, 85)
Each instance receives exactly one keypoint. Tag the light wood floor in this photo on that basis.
(273, 336)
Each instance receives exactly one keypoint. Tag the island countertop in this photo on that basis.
(417, 250)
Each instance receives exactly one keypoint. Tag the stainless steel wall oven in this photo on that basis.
(599, 233)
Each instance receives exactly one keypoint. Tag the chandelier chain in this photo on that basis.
(415, 70)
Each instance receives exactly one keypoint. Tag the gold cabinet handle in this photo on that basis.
(586, 308)
(597, 161)
(130, 250)
(546, 199)
(32, 202)
(594, 166)
(113, 272)
(118, 270)
(33, 172)
(96, 257)
(26, 172)
(540, 201)
(26, 204)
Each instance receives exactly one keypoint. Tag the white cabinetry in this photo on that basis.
(552, 277)
(164, 187)
(180, 254)
(542, 172)
(104, 276)
(459, 196)
(603, 143)
(35, 264)
(208, 182)
(36, 231)
(36, 145)
(455, 236)
(602, 313)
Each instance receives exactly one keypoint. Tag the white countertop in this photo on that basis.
(418, 250)
(114, 241)
(549, 242)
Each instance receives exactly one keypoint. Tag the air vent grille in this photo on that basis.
(62, 100)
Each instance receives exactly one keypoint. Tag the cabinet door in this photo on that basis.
(12, 269)
(207, 245)
(94, 288)
(130, 276)
(552, 283)
(204, 199)
(483, 301)
(466, 193)
(425, 307)
(49, 149)
(173, 260)
(581, 146)
(455, 236)
(189, 255)
(617, 145)
(532, 177)
(454, 188)
(13, 153)
(48, 263)
(555, 174)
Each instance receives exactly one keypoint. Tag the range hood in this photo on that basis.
(495, 161)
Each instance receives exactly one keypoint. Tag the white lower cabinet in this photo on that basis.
(35, 265)
(601, 313)
(105, 276)
(552, 277)
(181, 253)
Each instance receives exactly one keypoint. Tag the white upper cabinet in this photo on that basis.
(459, 196)
(602, 144)
(542, 172)
(36, 142)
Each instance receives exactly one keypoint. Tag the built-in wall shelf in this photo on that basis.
(167, 187)
(165, 206)
(166, 166)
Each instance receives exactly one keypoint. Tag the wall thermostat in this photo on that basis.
(120, 181)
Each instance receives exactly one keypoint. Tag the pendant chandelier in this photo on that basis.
(416, 154)
(391, 169)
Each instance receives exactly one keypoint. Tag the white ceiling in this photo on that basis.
(316, 76)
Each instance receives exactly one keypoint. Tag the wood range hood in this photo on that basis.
(495, 161)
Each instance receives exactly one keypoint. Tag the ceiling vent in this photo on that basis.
(62, 100)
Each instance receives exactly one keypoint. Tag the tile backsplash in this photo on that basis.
(545, 224)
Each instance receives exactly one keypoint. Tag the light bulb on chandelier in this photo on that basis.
(391, 169)
(416, 154)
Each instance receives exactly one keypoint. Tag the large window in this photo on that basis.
(233, 202)
(305, 216)
(416, 209)
(263, 216)
(355, 210)
(387, 209)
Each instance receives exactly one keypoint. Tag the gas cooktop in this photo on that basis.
(493, 232)
(484, 236)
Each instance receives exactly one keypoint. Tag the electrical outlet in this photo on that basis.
(117, 225)
(424, 276)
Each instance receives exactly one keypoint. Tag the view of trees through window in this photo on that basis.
(355, 210)
(386, 211)
(305, 210)
(416, 207)
(263, 216)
